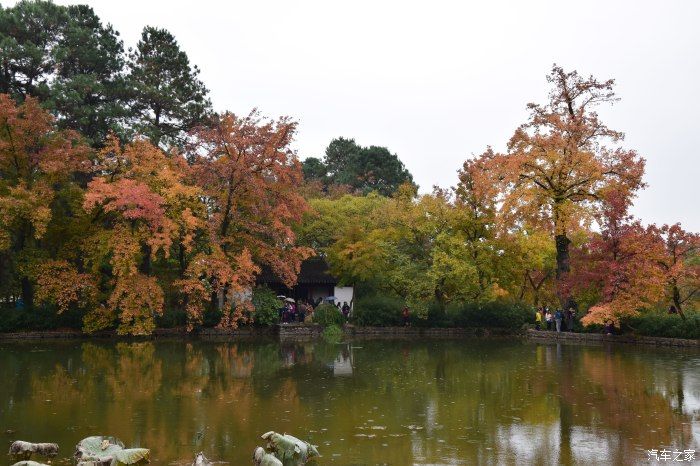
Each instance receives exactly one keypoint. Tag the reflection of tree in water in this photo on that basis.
(508, 401)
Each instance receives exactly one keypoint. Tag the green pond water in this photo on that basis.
(398, 402)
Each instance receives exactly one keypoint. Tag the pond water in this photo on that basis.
(398, 402)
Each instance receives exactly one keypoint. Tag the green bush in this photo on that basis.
(497, 314)
(327, 314)
(172, 317)
(14, 319)
(266, 304)
(656, 324)
(384, 311)
(211, 317)
(437, 316)
(332, 334)
(377, 311)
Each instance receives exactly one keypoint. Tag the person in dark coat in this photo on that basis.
(570, 315)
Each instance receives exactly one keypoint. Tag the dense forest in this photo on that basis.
(127, 202)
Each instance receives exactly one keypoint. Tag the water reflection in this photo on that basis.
(387, 402)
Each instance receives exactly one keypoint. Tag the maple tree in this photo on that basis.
(558, 166)
(37, 168)
(123, 232)
(59, 282)
(623, 261)
(249, 178)
(144, 209)
(680, 263)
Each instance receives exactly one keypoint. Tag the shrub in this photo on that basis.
(266, 304)
(499, 314)
(211, 317)
(332, 334)
(377, 311)
(327, 314)
(172, 317)
(13, 319)
(656, 324)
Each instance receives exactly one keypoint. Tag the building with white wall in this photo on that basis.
(315, 282)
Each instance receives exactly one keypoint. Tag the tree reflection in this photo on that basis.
(397, 402)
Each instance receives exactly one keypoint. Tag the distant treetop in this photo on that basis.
(361, 169)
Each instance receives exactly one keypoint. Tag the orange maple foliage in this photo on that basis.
(59, 282)
(136, 299)
(624, 261)
(250, 177)
(228, 278)
(557, 168)
(140, 197)
(36, 161)
(680, 263)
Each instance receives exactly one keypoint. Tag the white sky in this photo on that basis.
(437, 81)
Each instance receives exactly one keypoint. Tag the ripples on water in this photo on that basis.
(397, 402)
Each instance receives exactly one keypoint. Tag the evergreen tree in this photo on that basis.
(67, 59)
(363, 169)
(168, 98)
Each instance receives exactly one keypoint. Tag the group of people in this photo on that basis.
(303, 312)
(296, 311)
(561, 320)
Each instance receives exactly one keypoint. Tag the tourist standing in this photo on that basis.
(309, 314)
(346, 310)
(558, 317)
(548, 318)
(282, 311)
(538, 319)
(292, 312)
(405, 314)
(570, 314)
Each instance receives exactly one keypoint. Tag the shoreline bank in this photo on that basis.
(551, 336)
(311, 331)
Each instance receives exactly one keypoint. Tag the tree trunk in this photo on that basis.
(181, 260)
(563, 266)
(146, 262)
(27, 293)
(677, 300)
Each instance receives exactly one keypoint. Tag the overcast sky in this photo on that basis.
(436, 82)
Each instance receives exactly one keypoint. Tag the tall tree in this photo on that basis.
(69, 60)
(38, 164)
(29, 32)
(680, 263)
(362, 169)
(169, 100)
(142, 209)
(623, 262)
(314, 169)
(249, 177)
(340, 153)
(88, 93)
(558, 166)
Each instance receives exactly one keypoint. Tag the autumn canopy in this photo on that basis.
(126, 202)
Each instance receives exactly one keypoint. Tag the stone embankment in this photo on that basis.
(408, 331)
(309, 331)
(545, 335)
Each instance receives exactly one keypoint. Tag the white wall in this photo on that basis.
(343, 294)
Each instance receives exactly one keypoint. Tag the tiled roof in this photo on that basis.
(314, 271)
